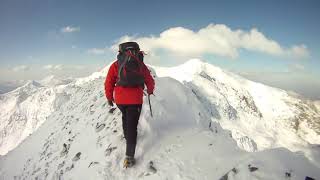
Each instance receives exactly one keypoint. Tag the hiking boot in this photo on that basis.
(128, 162)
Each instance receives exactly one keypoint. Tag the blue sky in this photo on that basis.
(66, 37)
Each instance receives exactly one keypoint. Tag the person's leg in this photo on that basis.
(124, 121)
(133, 114)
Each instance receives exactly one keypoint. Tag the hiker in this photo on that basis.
(124, 85)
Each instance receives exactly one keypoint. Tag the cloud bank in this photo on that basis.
(215, 39)
(52, 67)
(98, 51)
(21, 68)
(70, 29)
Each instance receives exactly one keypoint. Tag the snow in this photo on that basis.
(259, 117)
(207, 124)
(317, 104)
(184, 72)
(23, 111)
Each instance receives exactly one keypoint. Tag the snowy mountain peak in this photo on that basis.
(246, 107)
(24, 109)
(52, 80)
(31, 84)
(193, 66)
(190, 69)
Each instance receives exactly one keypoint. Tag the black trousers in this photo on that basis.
(130, 119)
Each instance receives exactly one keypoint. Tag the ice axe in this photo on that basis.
(150, 105)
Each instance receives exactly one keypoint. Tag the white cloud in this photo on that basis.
(297, 67)
(53, 67)
(98, 51)
(70, 29)
(38, 72)
(299, 51)
(21, 68)
(79, 67)
(214, 39)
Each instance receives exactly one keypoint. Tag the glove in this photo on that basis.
(149, 92)
(110, 103)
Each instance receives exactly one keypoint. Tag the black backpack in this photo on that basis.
(130, 65)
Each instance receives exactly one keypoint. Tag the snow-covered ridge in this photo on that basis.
(10, 86)
(269, 116)
(203, 117)
(24, 109)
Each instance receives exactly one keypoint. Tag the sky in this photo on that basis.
(273, 42)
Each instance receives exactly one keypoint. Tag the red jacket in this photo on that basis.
(126, 95)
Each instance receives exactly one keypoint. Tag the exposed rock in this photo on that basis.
(109, 150)
(152, 168)
(99, 127)
(111, 110)
(93, 163)
(309, 178)
(76, 157)
(65, 149)
(252, 168)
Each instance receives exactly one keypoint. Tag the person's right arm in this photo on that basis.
(149, 81)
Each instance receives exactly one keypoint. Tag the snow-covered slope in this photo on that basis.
(187, 137)
(259, 116)
(23, 110)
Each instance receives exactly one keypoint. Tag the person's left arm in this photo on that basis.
(110, 82)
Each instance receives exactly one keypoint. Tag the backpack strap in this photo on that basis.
(122, 65)
(129, 53)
